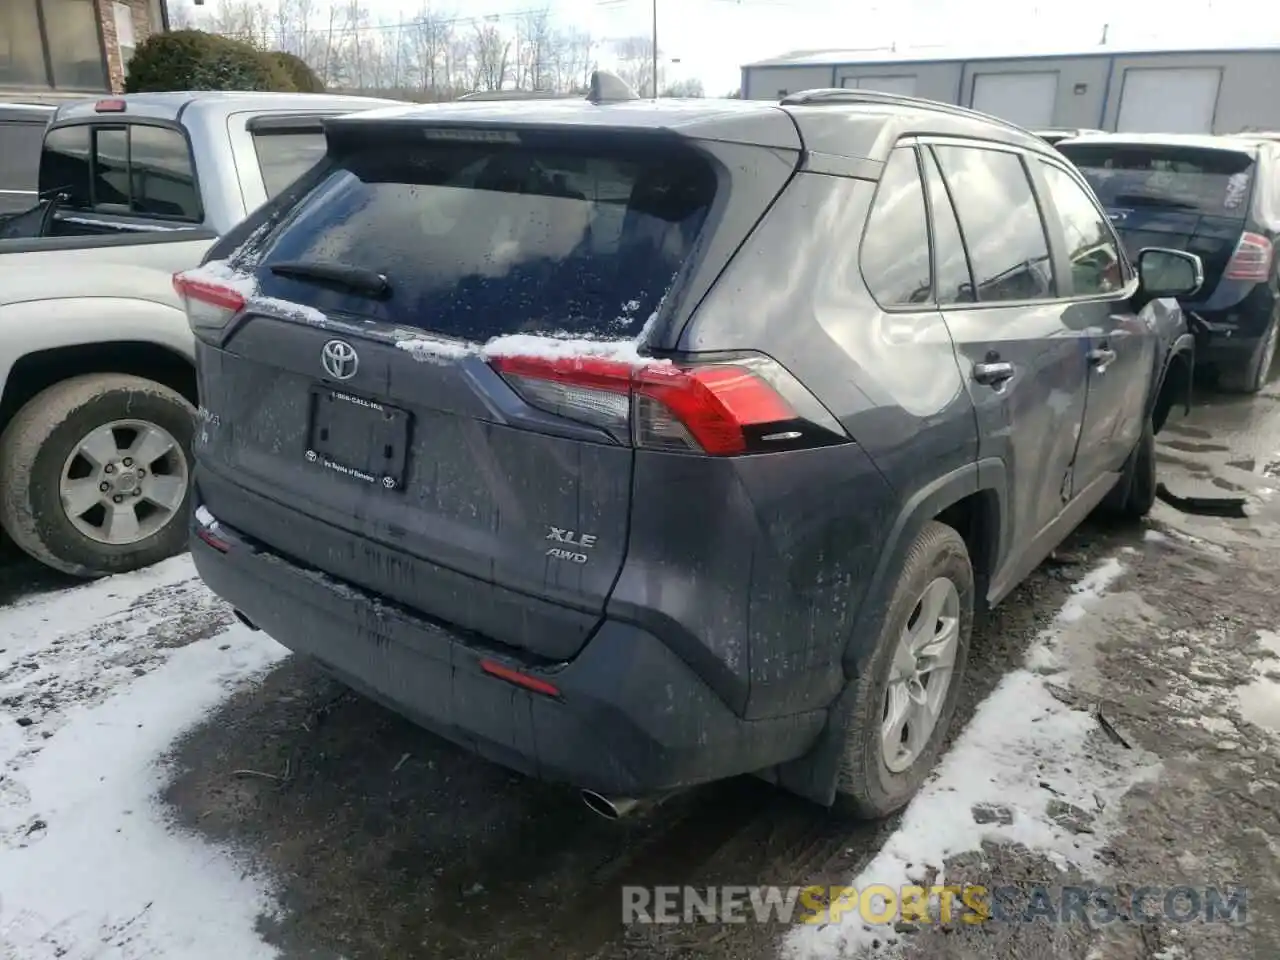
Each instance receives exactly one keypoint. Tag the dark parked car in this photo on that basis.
(640, 444)
(1219, 198)
(21, 133)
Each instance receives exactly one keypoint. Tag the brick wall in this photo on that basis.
(142, 28)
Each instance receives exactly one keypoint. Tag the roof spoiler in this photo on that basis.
(609, 88)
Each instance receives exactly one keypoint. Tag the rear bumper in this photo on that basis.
(631, 718)
(1230, 335)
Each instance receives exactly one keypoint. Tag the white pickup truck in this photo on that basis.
(98, 396)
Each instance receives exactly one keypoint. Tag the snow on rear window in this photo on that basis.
(480, 241)
(550, 346)
(294, 311)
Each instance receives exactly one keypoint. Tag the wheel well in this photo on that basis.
(977, 519)
(1174, 389)
(36, 371)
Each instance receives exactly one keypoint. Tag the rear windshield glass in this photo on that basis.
(1214, 182)
(478, 240)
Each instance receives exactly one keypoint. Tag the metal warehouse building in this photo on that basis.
(1190, 90)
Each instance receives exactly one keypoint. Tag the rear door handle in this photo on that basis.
(993, 372)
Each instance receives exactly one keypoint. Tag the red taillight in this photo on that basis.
(1251, 260)
(209, 304)
(495, 669)
(110, 106)
(702, 409)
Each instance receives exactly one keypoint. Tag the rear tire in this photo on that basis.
(41, 469)
(1257, 371)
(879, 774)
(1135, 493)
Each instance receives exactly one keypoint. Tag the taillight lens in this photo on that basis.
(1251, 260)
(210, 304)
(721, 409)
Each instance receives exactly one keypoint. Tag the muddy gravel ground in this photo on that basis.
(394, 843)
(1182, 656)
(390, 843)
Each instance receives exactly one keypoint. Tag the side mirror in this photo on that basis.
(1169, 273)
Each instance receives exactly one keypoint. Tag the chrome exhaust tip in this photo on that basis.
(611, 808)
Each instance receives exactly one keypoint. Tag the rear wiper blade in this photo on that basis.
(1142, 200)
(356, 279)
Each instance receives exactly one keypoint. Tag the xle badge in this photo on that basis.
(571, 538)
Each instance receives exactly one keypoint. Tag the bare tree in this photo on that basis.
(635, 56)
(535, 38)
(293, 27)
(432, 55)
(247, 20)
(691, 87)
(458, 73)
(430, 36)
(490, 58)
(184, 16)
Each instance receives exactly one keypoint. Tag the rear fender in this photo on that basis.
(814, 775)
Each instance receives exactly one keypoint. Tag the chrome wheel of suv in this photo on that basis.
(920, 675)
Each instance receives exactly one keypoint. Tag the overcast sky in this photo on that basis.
(713, 38)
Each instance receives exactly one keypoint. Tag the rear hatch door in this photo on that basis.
(356, 386)
(1188, 198)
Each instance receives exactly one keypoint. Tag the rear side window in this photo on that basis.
(19, 154)
(953, 281)
(285, 156)
(1008, 249)
(1091, 248)
(1198, 180)
(895, 246)
(161, 176)
(478, 240)
(65, 167)
(133, 169)
(111, 168)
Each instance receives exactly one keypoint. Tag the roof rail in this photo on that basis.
(839, 95)
(609, 88)
(513, 95)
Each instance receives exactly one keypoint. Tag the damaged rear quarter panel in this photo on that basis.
(752, 568)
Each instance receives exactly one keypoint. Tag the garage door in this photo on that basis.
(902, 86)
(1168, 100)
(1023, 98)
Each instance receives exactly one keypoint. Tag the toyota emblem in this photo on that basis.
(339, 359)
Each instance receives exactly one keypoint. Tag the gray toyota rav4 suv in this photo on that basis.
(635, 444)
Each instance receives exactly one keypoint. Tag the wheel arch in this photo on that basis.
(38, 369)
(1174, 384)
(972, 497)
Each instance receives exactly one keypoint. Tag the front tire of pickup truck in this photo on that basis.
(95, 474)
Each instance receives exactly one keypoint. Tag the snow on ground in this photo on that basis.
(96, 683)
(1022, 747)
